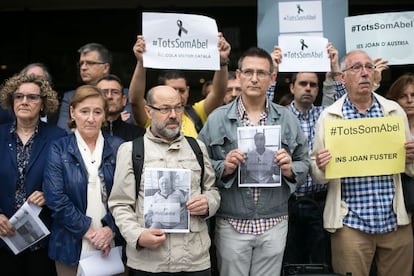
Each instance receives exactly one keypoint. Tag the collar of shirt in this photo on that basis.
(243, 116)
(299, 113)
(350, 111)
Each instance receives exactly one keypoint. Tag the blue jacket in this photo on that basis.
(65, 188)
(34, 169)
(220, 136)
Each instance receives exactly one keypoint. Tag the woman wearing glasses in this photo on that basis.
(78, 181)
(23, 150)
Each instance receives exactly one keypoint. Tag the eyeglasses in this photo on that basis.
(260, 74)
(356, 68)
(89, 63)
(168, 109)
(114, 92)
(31, 98)
(305, 83)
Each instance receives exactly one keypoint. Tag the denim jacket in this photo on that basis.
(65, 188)
(220, 136)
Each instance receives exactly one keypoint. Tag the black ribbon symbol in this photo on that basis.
(303, 44)
(181, 28)
(299, 9)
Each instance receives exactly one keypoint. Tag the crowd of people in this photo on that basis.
(75, 160)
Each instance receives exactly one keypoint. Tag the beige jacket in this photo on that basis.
(181, 251)
(335, 209)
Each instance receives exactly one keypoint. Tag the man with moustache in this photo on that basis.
(152, 251)
(366, 215)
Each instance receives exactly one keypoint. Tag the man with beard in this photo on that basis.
(112, 88)
(152, 251)
(194, 115)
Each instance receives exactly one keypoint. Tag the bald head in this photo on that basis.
(160, 91)
(165, 109)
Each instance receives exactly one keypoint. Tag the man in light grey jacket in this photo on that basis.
(152, 250)
(366, 214)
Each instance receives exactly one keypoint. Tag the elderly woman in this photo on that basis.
(78, 180)
(23, 150)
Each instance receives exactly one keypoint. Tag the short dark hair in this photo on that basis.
(256, 52)
(295, 76)
(171, 75)
(112, 77)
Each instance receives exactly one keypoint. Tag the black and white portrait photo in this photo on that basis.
(166, 193)
(259, 145)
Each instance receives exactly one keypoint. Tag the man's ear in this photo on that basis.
(273, 77)
(341, 78)
(106, 68)
(148, 111)
(291, 88)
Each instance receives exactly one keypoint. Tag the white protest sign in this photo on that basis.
(180, 41)
(300, 16)
(304, 54)
(386, 35)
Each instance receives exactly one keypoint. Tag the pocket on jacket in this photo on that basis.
(221, 146)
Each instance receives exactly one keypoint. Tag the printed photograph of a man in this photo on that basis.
(165, 206)
(259, 169)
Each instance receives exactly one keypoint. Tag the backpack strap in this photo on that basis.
(199, 154)
(189, 110)
(138, 159)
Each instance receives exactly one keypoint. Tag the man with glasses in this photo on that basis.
(194, 115)
(152, 251)
(252, 222)
(112, 88)
(366, 215)
(95, 61)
